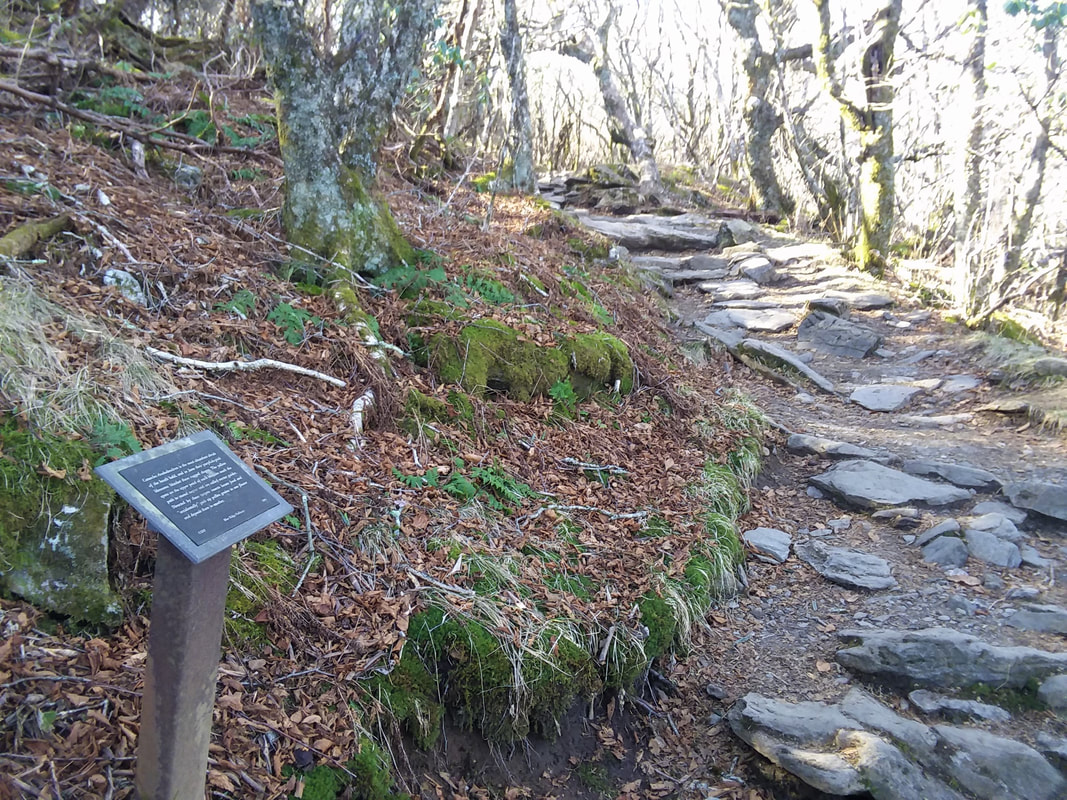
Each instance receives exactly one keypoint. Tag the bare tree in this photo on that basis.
(968, 185)
(762, 119)
(334, 105)
(595, 53)
(523, 177)
(873, 120)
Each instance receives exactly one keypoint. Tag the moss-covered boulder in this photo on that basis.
(54, 526)
(487, 354)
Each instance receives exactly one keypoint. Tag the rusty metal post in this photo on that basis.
(184, 649)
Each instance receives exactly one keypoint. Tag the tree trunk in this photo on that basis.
(874, 122)
(1033, 177)
(633, 136)
(332, 112)
(969, 274)
(761, 119)
(523, 177)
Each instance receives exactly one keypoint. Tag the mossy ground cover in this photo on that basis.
(484, 551)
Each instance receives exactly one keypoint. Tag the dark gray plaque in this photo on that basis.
(197, 493)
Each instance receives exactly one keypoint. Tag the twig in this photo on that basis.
(243, 366)
(305, 498)
(444, 587)
(609, 514)
(573, 463)
(646, 706)
(72, 679)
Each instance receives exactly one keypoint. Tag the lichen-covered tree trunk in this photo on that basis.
(761, 119)
(969, 273)
(523, 177)
(873, 119)
(1033, 178)
(634, 136)
(334, 105)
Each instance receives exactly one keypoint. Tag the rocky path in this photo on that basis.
(903, 634)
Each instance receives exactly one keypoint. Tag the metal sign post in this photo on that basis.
(202, 499)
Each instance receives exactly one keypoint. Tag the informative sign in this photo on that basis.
(196, 493)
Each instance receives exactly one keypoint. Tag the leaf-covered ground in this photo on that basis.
(600, 524)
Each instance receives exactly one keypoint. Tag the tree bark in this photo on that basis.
(523, 177)
(969, 273)
(873, 120)
(595, 53)
(1033, 177)
(762, 121)
(333, 109)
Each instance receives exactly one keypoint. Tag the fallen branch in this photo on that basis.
(243, 366)
(362, 405)
(573, 463)
(23, 239)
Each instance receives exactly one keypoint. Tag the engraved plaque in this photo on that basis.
(197, 493)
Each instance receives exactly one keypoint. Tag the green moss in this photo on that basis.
(594, 777)
(368, 777)
(257, 570)
(602, 359)
(53, 525)
(478, 676)
(577, 585)
(1005, 325)
(1015, 699)
(589, 249)
(409, 692)
(489, 355)
(362, 237)
(661, 621)
(624, 662)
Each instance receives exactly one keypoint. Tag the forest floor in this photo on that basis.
(213, 263)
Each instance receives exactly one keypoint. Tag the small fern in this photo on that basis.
(501, 484)
(291, 320)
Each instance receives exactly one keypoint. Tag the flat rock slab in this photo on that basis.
(775, 356)
(732, 290)
(805, 445)
(884, 396)
(770, 320)
(1016, 515)
(729, 338)
(862, 747)
(1044, 498)
(952, 708)
(1039, 617)
(806, 251)
(958, 474)
(867, 484)
(864, 301)
(693, 275)
(651, 232)
(945, 658)
(954, 384)
(769, 542)
(838, 336)
(846, 566)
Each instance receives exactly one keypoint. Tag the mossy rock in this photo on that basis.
(54, 526)
(488, 355)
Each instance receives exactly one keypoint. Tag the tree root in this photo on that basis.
(26, 236)
(243, 366)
